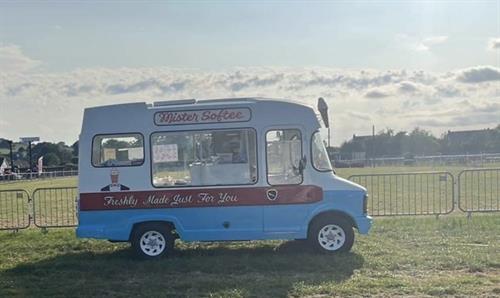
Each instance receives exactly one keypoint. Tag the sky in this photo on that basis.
(398, 64)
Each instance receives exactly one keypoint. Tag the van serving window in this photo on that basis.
(284, 152)
(118, 150)
(204, 158)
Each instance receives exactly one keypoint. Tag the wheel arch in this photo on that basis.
(332, 214)
(137, 224)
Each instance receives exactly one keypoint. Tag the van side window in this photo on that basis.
(204, 158)
(284, 151)
(320, 160)
(118, 150)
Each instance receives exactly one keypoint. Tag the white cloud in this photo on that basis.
(418, 44)
(12, 59)
(377, 93)
(42, 103)
(494, 43)
(479, 74)
(428, 42)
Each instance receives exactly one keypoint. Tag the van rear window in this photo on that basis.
(119, 150)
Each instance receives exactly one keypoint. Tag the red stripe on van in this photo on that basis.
(214, 197)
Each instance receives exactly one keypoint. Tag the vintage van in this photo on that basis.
(212, 170)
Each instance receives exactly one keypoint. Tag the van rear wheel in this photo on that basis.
(331, 235)
(152, 240)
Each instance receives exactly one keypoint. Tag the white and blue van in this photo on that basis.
(212, 170)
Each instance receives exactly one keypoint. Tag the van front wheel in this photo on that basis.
(330, 235)
(151, 241)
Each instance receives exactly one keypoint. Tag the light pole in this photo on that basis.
(11, 157)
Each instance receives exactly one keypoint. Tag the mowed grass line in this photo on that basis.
(31, 185)
(401, 256)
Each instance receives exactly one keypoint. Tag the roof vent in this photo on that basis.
(174, 102)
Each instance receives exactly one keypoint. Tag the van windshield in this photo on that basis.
(320, 159)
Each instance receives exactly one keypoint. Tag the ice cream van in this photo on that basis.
(212, 170)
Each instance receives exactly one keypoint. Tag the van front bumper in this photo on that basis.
(363, 223)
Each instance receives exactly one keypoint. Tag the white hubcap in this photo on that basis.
(331, 237)
(152, 243)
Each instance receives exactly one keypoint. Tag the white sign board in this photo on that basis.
(29, 139)
(135, 153)
(202, 116)
(109, 153)
(165, 153)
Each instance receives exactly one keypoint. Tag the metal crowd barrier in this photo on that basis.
(55, 207)
(397, 194)
(400, 194)
(18, 177)
(479, 190)
(14, 209)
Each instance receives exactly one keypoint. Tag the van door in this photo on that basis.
(289, 208)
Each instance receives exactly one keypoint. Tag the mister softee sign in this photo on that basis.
(202, 116)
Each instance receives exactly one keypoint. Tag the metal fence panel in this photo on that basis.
(14, 209)
(23, 177)
(430, 193)
(479, 190)
(55, 207)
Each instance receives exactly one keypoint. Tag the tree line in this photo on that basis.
(386, 143)
(58, 155)
(420, 142)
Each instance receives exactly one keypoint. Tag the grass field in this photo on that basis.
(39, 183)
(405, 256)
(413, 256)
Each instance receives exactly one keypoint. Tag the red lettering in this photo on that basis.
(207, 116)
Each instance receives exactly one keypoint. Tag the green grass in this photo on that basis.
(427, 193)
(401, 256)
(453, 169)
(39, 183)
(53, 208)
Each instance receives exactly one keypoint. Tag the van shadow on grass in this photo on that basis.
(195, 270)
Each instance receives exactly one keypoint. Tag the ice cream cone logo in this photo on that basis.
(115, 185)
(114, 176)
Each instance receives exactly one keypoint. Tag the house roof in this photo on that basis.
(465, 134)
(361, 138)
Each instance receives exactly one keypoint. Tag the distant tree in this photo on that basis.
(422, 142)
(113, 143)
(21, 153)
(4, 144)
(51, 159)
(387, 143)
(74, 147)
(60, 150)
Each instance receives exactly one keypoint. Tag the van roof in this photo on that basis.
(140, 116)
(187, 103)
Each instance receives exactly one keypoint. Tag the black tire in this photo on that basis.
(159, 234)
(338, 228)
